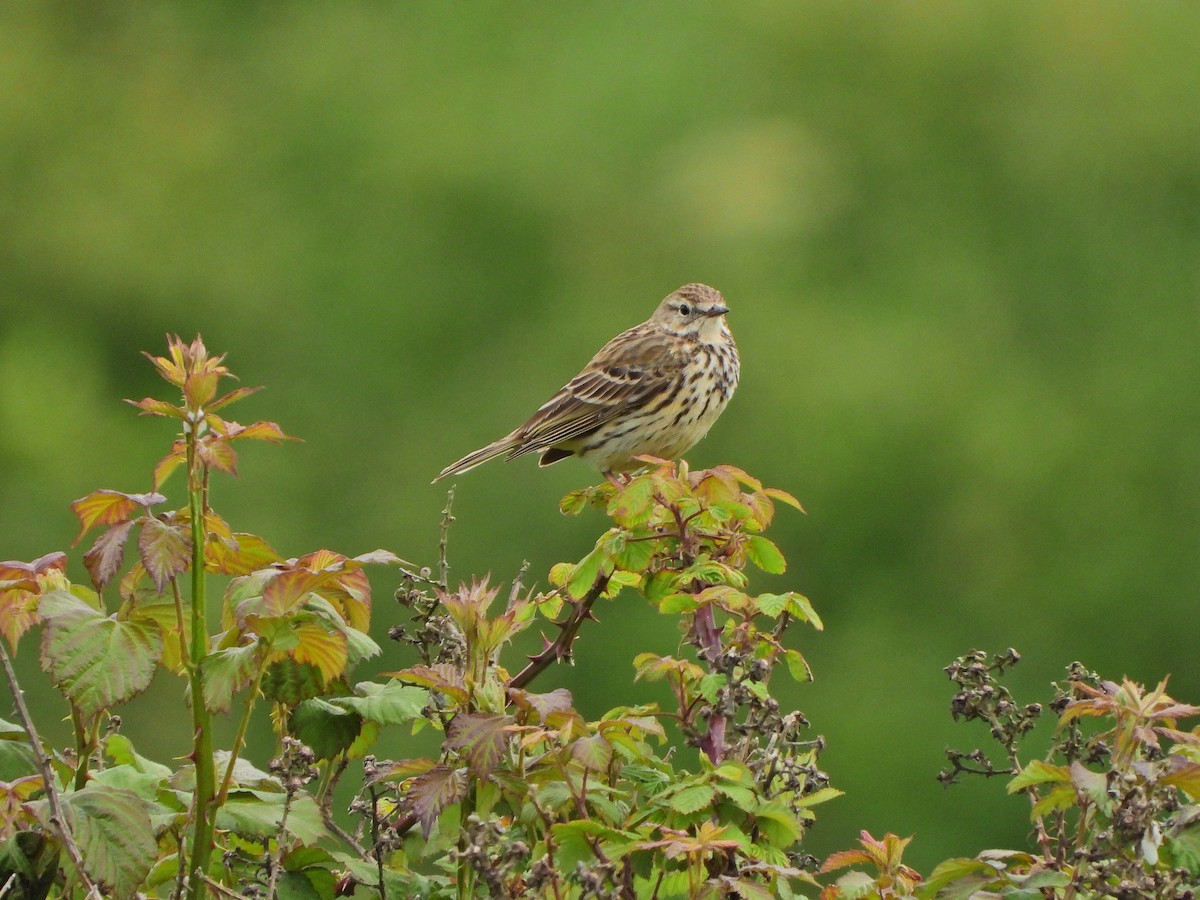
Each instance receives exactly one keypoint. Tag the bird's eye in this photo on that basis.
(685, 310)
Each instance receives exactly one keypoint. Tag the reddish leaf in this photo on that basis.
(381, 557)
(16, 570)
(1184, 774)
(169, 463)
(288, 589)
(105, 507)
(258, 431)
(783, 496)
(232, 397)
(165, 550)
(593, 752)
(169, 369)
(322, 648)
(239, 555)
(431, 792)
(200, 387)
(104, 559)
(18, 613)
(402, 770)
(320, 560)
(441, 677)
(543, 705)
(481, 738)
(216, 453)
(152, 407)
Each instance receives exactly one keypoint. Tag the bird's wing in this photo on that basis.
(629, 371)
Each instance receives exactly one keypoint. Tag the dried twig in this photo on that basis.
(57, 819)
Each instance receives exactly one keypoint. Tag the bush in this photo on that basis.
(710, 797)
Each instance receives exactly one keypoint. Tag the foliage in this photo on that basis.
(710, 795)
(1115, 806)
(526, 797)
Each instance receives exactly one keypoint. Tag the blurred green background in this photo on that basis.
(961, 242)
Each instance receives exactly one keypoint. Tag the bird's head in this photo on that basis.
(694, 310)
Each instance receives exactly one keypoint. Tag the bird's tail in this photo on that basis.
(478, 457)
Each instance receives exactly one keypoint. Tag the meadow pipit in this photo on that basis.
(655, 389)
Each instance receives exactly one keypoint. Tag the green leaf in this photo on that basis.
(967, 875)
(764, 554)
(225, 672)
(574, 841)
(1184, 848)
(359, 646)
(821, 795)
(298, 886)
(633, 505)
(1038, 772)
(326, 728)
(1061, 797)
(573, 503)
(289, 682)
(257, 814)
(143, 784)
(778, 824)
(587, 571)
(677, 603)
(96, 660)
(120, 750)
(692, 798)
(771, 605)
(797, 666)
(393, 703)
(635, 556)
(114, 834)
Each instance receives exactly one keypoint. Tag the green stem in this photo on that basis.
(83, 753)
(239, 740)
(202, 747)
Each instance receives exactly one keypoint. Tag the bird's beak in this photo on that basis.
(717, 311)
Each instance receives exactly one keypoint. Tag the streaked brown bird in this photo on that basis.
(655, 390)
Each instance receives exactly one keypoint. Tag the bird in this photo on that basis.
(655, 390)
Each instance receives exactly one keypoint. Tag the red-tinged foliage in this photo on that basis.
(431, 792)
(108, 507)
(165, 549)
(481, 738)
(14, 570)
(151, 406)
(103, 561)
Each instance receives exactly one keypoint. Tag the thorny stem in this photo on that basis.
(202, 751)
(181, 621)
(57, 819)
(444, 541)
(708, 638)
(561, 645)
